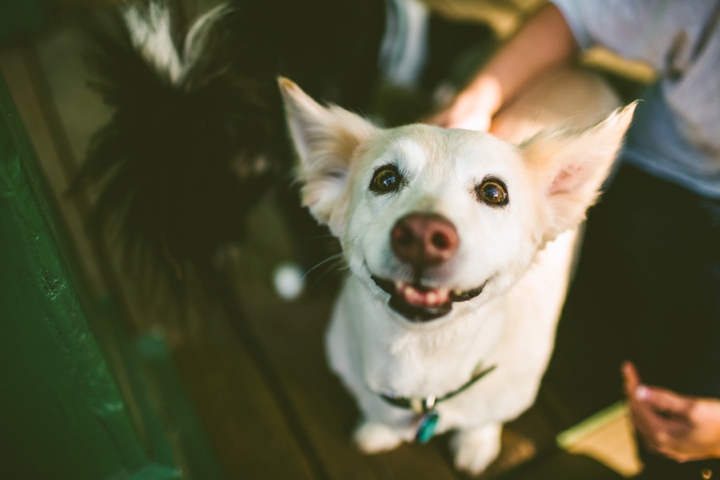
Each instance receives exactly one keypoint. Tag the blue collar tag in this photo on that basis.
(425, 407)
(426, 426)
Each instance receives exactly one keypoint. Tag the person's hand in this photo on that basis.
(545, 41)
(471, 110)
(679, 427)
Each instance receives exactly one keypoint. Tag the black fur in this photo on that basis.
(175, 169)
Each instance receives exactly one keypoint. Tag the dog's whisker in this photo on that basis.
(329, 269)
(322, 237)
(323, 262)
(397, 335)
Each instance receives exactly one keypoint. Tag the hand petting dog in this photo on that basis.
(545, 41)
(680, 427)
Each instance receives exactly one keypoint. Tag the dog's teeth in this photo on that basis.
(431, 298)
(412, 295)
(398, 285)
(442, 295)
(457, 292)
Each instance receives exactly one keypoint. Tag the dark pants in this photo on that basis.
(647, 289)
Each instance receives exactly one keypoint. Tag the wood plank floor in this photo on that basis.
(253, 365)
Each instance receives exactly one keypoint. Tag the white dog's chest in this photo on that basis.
(419, 360)
(375, 353)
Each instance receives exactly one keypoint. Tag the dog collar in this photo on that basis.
(425, 406)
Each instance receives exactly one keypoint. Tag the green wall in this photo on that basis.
(61, 413)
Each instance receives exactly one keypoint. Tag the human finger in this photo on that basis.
(651, 430)
(438, 119)
(646, 418)
(650, 426)
(475, 122)
(666, 401)
(660, 433)
(631, 379)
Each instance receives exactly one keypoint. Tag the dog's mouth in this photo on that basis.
(419, 303)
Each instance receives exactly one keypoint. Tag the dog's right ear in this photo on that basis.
(326, 140)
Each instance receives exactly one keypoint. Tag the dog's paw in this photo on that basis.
(475, 449)
(376, 437)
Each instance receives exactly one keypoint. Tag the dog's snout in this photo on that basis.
(424, 240)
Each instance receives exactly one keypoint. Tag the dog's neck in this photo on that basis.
(414, 359)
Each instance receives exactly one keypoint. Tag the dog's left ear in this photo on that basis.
(326, 140)
(571, 167)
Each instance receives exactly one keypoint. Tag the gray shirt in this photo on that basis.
(676, 131)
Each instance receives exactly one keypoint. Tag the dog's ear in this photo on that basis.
(326, 140)
(572, 166)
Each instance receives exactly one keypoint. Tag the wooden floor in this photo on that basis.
(252, 364)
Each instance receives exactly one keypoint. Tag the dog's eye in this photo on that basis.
(385, 179)
(493, 192)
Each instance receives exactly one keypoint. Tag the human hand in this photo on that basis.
(680, 427)
(544, 42)
(464, 113)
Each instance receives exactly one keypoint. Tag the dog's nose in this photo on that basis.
(424, 240)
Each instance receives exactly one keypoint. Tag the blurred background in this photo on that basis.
(103, 377)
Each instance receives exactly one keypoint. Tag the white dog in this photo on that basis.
(459, 246)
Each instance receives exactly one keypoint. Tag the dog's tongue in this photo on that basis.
(422, 297)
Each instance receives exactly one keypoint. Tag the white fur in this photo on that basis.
(150, 31)
(523, 251)
(196, 39)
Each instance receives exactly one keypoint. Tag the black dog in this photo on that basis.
(197, 137)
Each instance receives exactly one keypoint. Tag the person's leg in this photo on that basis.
(647, 290)
(692, 349)
(675, 322)
(604, 298)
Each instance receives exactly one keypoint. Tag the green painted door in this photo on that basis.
(63, 413)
